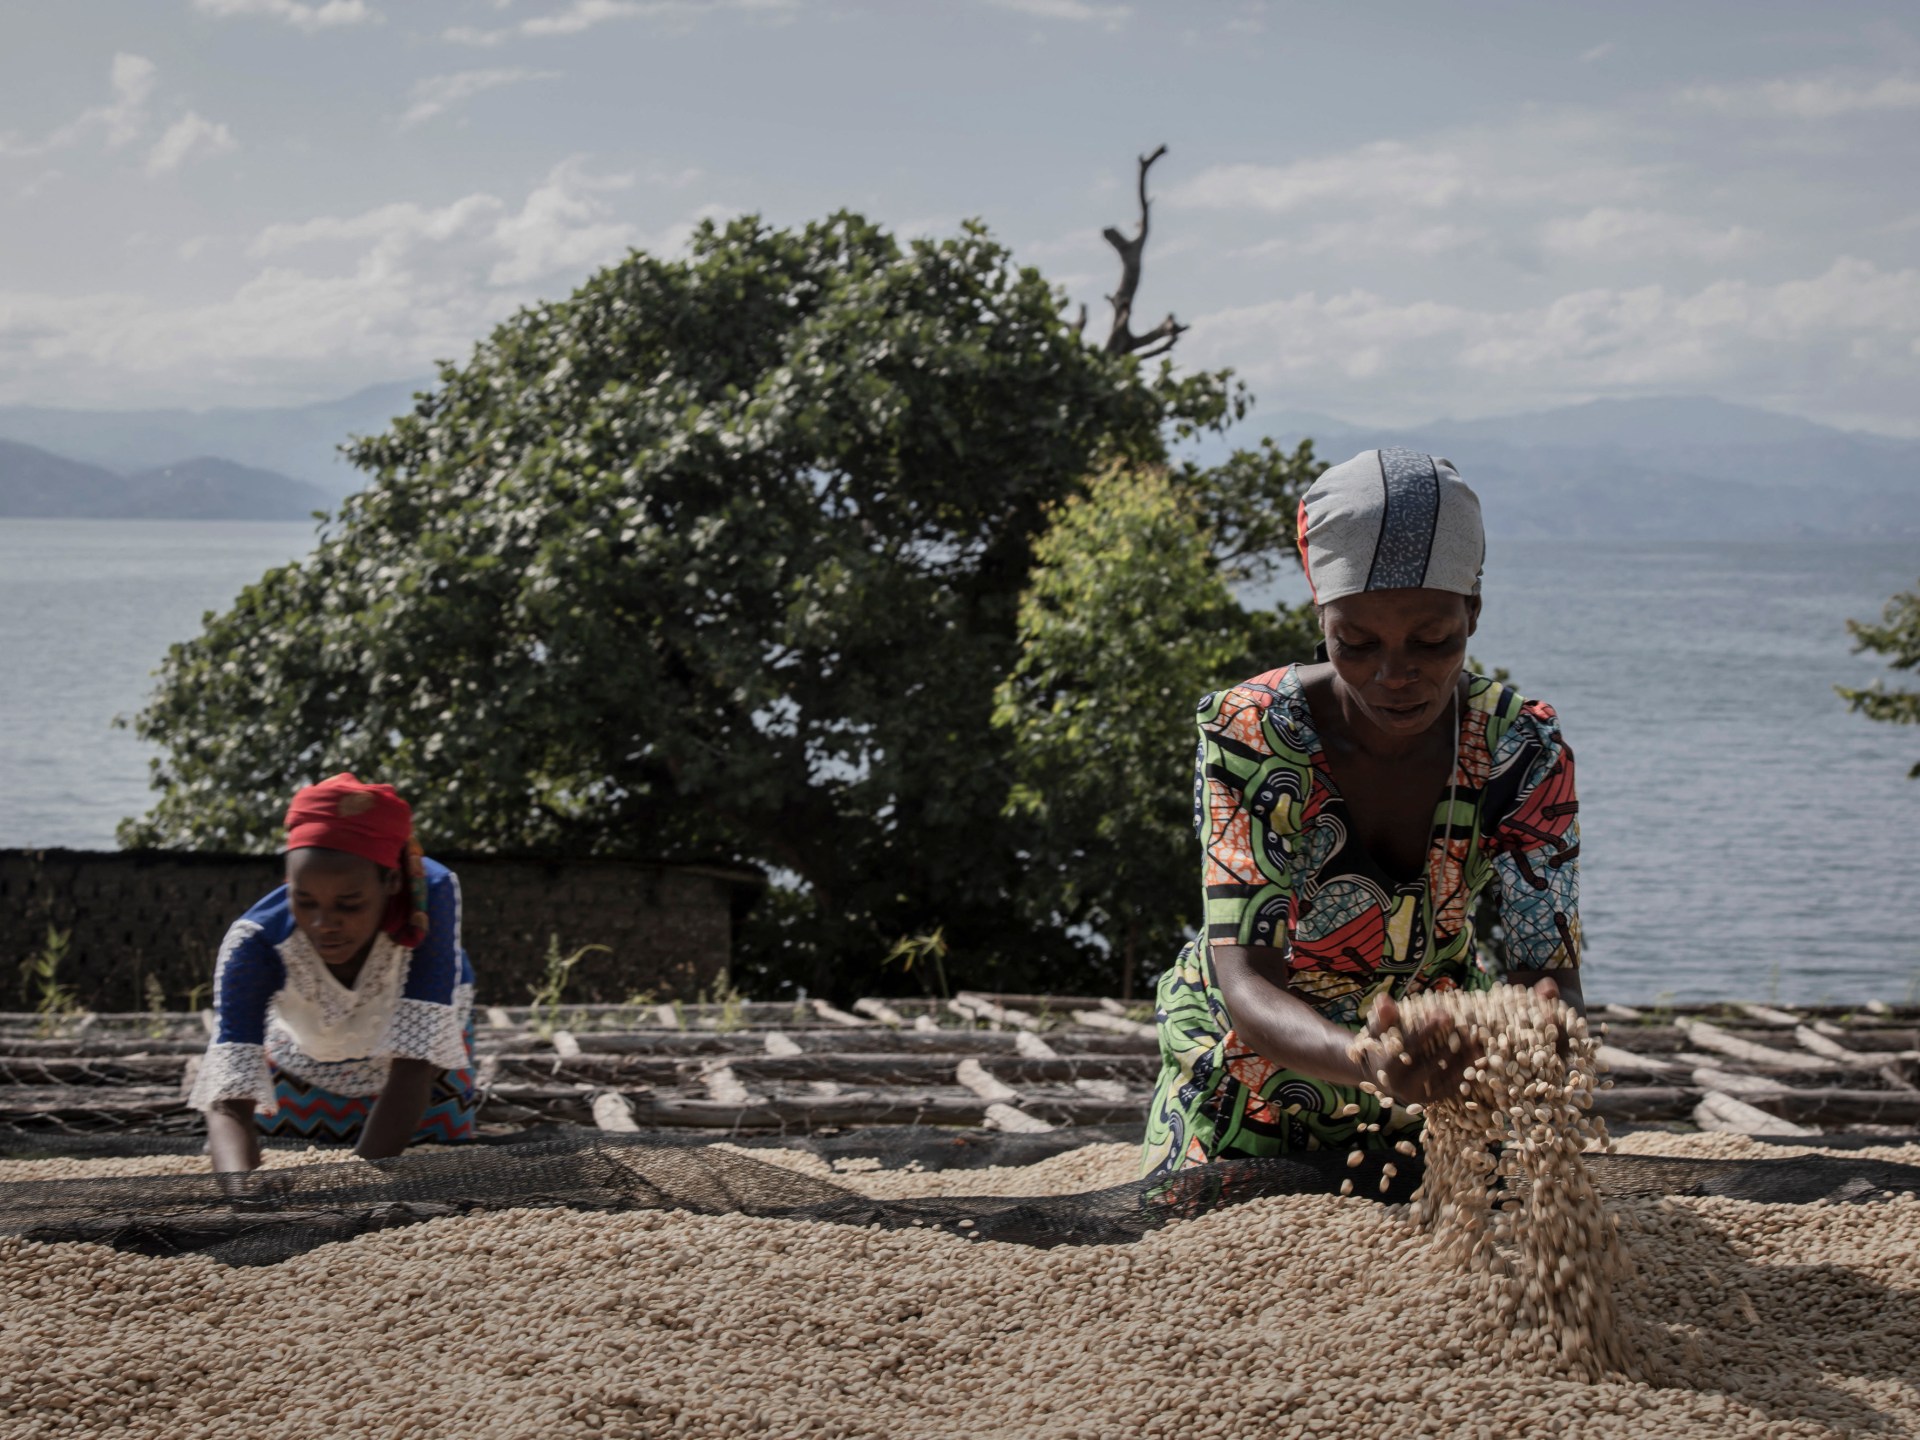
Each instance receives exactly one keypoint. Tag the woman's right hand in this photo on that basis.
(1423, 1067)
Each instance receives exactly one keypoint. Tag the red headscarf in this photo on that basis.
(373, 822)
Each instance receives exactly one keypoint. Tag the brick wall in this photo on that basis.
(135, 914)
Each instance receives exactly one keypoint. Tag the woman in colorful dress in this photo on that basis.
(344, 999)
(1350, 810)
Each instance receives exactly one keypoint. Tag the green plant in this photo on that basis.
(931, 948)
(548, 994)
(53, 1001)
(156, 994)
(1899, 638)
(196, 995)
(733, 1006)
(1773, 983)
(1662, 1007)
(1130, 618)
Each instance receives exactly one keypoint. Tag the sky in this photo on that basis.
(1386, 212)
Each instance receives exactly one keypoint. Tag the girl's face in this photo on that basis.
(338, 900)
(1398, 653)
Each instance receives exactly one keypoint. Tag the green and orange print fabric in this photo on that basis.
(1283, 869)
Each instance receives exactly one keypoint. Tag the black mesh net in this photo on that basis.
(272, 1215)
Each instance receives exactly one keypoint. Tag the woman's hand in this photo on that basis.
(396, 1112)
(1424, 1066)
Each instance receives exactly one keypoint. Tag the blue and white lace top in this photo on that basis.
(276, 999)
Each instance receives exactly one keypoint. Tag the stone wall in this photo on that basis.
(139, 915)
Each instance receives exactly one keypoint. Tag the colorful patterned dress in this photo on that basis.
(1283, 868)
(313, 1054)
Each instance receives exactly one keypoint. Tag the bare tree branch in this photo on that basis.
(1121, 340)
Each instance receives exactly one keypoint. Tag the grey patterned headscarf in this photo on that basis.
(1390, 520)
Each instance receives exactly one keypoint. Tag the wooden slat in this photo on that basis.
(879, 1010)
(1719, 1111)
(613, 1112)
(1627, 1062)
(985, 1007)
(1712, 1037)
(838, 1016)
(1102, 1020)
(1002, 1116)
(873, 1069)
(21, 1102)
(1730, 1083)
(973, 1075)
(652, 1109)
(99, 1045)
(1767, 1015)
(1032, 1047)
(724, 1087)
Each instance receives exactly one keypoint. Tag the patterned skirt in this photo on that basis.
(312, 1112)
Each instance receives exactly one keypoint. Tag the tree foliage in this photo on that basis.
(1898, 637)
(1129, 619)
(720, 556)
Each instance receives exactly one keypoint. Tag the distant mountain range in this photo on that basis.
(298, 441)
(36, 482)
(1686, 468)
(1683, 469)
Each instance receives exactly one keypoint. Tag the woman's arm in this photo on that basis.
(1276, 1023)
(234, 1080)
(396, 1113)
(1283, 1028)
(233, 1140)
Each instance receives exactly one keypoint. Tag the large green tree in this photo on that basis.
(1898, 637)
(721, 556)
(1131, 616)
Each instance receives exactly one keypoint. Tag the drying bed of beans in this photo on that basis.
(1294, 1315)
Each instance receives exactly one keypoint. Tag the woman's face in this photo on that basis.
(338, 900)
(1399, 653)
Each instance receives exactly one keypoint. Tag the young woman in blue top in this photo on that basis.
(344, 999)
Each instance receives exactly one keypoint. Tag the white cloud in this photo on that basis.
(581, 15)
(564, 226)
(118, 123)
(1608, 232)
(1598, 52)
(386, 235)
(307, 17)
(334, 298)
(1468, 167)
(1352, 238)
(437, 94)
(1078, 11)
(1821, 97)
(192, 134)
(1840, 341)
(127, 117)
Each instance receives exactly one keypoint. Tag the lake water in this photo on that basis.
(1743, 833)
